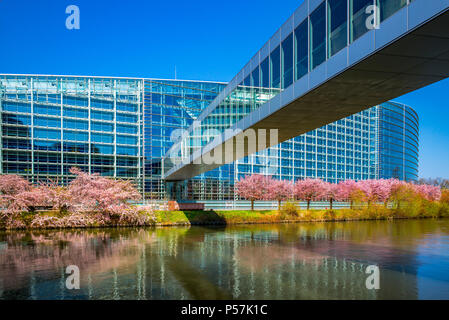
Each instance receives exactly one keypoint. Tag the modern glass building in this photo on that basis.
(123, 127)
(397, 142)
(52, 123)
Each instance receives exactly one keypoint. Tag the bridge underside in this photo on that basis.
(415, 60)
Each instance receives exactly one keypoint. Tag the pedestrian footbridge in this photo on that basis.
(331, 59)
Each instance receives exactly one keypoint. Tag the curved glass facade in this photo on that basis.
(398, 142)
(122, 127)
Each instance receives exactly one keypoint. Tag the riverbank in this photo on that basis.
(51, 220)
(182, 218)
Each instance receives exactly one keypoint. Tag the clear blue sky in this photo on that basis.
(205, 40)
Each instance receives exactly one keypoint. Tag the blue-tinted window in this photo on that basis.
(302, 49)
(130, 151)
(287, 61)
(126, 162)
(50, 110)
(47, 122)
(76, 136)
(13, 131)
(100, 148)
(76, 147)
(14, 168)
(126, 118)
(128, 107)
(101, 104)
(47, 145)
(47, 134)
(126, 140)
(81, 102)
(102, 138)
(16, 119)
(318, 36)
(76, 113)
(359, 18)
(102, 160)
(16, 107)
(17, 144)
(122, 128)
(390, 7)
(265, 73)
(156, 98)
(100, 126)
(338, 26)
(101, 115)
(76, 124)
(255, 81)
(275, 65)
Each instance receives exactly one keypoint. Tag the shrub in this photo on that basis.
(289, 210)
(46, 222)
(77, 220)
(14, 224)
(444, 210)
(137, 217)
(329, 215)
(444, 196)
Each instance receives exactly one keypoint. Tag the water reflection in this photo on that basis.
(299, 261)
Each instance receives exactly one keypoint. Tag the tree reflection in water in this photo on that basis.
(300, 261)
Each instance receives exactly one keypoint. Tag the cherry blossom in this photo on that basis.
(279, 190)
(309, 190)
(253, 188)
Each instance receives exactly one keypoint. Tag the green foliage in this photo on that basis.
(289, 210)
(329, 215)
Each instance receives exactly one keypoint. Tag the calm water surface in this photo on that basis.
(298, 261)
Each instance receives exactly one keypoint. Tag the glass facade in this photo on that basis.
(170, 107)
(398, 142)
(123, 128)
(51, 123)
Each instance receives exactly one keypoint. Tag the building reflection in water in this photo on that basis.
(300, 261)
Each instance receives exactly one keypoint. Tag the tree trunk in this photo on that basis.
(331, 202)
(252, 205)
(279, 205)
(351, 206)
(308, 204)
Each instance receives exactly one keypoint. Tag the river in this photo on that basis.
(280, 261)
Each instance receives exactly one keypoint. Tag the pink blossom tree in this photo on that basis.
(92, 193)
(25, 201)
(375, 190)
(16, 194)
(279, 190)
(401, 191)
(428, 192)
(331, 192)
(350, 191)
(12, 184)
(58, 196)
(309, 190)
(253, 188)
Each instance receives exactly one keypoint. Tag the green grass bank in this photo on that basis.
(173, 218)
(289, 213)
